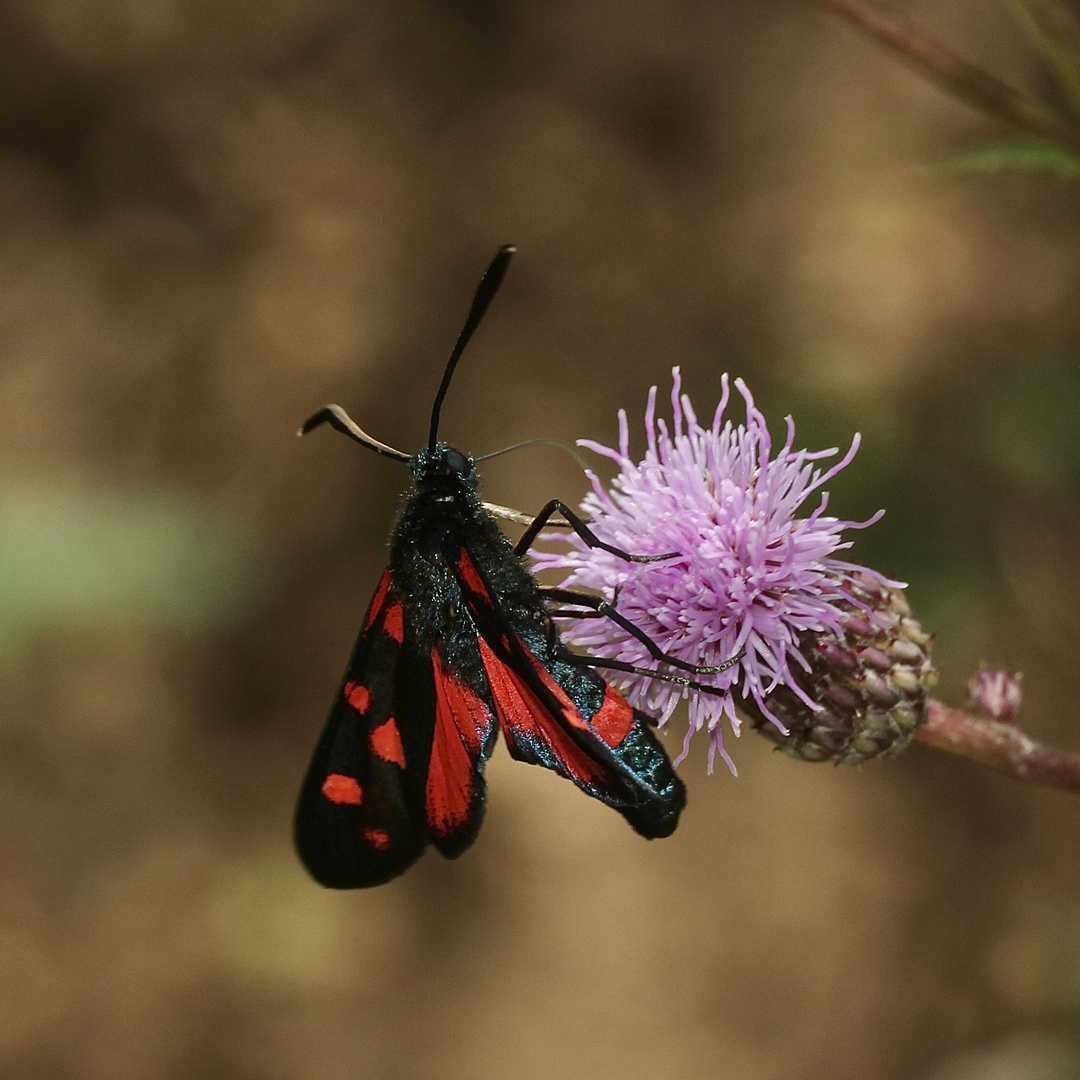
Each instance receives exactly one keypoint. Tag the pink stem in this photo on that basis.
(999, 746)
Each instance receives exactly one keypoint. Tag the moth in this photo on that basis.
(458, 643)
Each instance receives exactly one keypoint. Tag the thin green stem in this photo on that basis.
(959, 78)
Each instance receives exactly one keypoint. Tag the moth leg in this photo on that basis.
(632, 669)
(583, 530)
(600, 608)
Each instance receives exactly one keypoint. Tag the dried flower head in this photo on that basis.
(749, 576)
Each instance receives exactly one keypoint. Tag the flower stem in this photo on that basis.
(999, 746)
(959, 78)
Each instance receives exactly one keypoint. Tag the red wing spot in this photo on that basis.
(394, 622)
(614, 718)
(570, 712)
(342, 789)
(358, 696)
(377, 600)
(468, 712)
(523, 716)
(379, 839)
(461, 718)
(386, 743)
(470, 575)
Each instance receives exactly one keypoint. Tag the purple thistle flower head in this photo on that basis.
(750, 575)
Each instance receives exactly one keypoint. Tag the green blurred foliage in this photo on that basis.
(1053, 28)
(1017, 155)
(85, 559)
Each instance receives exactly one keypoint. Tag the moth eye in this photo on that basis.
(457, 462)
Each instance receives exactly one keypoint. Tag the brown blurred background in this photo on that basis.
(216, 216)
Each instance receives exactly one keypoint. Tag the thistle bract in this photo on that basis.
(749, 575)
(870, 683)
(996, 693)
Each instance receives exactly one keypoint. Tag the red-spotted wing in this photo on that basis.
(357, 820)
(568, 719)
(399, 761)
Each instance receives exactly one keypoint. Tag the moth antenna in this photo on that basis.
(562, 444)
(485, 293)
(340, 420)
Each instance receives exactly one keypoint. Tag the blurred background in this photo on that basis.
(215, 217)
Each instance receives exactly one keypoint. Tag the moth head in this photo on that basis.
(444, 464)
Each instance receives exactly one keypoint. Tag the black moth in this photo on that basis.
(458, 642)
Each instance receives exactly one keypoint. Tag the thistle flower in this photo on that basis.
(749, 577)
